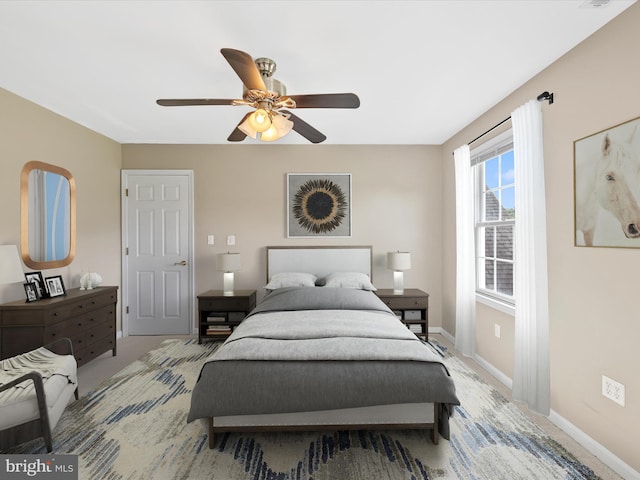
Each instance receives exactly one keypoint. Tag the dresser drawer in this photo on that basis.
(89, 304)
(100, 331)
(94, 350)
(67, 329)
(89, 319)
(57, 313)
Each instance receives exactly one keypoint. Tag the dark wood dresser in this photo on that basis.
(87, 317)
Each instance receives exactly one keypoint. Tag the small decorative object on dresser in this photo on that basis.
(86, 317)
(411, 307)
(90, 280)
(220, 313)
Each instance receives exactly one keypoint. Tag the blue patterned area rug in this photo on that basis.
(134, 427)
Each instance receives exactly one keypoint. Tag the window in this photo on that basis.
(495, 217)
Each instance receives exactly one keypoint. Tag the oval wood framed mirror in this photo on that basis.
(47, 216)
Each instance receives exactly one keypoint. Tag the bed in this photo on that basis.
(321, 351)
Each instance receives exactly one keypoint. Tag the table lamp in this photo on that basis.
(228, 263)
(398, 262)
(10, 265)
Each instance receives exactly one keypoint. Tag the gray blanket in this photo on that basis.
(323, 324)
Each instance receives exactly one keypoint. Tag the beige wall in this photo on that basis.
(593, 292)
(240, 190)
(403, 198)
(29, 132)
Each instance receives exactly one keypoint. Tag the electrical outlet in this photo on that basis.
(231, 240)
(496, 330)
(613, 390)
(210, 240)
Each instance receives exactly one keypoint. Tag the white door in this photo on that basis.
(157, 252)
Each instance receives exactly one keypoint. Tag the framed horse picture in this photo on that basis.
(607, 187)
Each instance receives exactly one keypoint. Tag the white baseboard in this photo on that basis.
(442, 332)
(502, 378)
(606, 456)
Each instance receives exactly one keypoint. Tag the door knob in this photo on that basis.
(183, 263)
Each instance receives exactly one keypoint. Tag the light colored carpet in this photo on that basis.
(133, 427)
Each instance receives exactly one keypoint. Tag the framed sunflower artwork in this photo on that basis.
(318, 205)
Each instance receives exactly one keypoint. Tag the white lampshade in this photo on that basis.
(228, 263)
(10, 265)
(399, 261)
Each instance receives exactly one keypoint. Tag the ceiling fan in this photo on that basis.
(270, 120)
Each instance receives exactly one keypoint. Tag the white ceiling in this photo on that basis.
(422, 69)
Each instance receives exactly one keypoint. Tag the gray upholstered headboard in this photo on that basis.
(319, 260)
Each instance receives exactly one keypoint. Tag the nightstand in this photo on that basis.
(219, 314)
(412, 307)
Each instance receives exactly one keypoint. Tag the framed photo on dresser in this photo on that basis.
(31, 292)
(55, 286)
(36, 279)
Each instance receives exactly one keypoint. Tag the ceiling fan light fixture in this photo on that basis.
(245, 128)
(270, 134)
(280, 127)
(260, 120)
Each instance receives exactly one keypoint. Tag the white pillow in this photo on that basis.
(355, 280)
(291, 279)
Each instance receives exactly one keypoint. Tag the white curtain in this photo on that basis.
(531, 363)
(465, 255)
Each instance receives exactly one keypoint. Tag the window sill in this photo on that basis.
(497, 304)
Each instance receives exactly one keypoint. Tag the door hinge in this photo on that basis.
(126, 251)
(126, 192)
(127, 309)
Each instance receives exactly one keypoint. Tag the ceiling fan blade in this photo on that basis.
(175, 102)
(326, 100)
(238, 135)
(245, 68)
(304, 129)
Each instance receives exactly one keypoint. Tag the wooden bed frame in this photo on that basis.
(413, 416)
(322, 260)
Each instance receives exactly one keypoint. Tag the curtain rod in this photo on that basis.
(541, 98)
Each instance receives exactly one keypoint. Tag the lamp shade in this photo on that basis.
(398, 261)
(10, 265)
(228, 262)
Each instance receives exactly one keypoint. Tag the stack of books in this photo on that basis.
(222, 330)
(217, 326)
